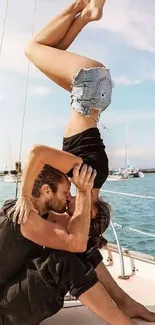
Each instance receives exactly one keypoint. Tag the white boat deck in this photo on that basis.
(140, 286)
(140, 268)
(81, 316)
(141, 290)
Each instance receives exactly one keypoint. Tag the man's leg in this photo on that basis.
(38, 292)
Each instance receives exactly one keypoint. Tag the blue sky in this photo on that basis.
(124, 40)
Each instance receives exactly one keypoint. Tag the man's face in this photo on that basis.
(59, 201)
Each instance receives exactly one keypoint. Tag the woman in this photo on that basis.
(90, 85)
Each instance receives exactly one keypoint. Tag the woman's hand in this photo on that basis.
(83, 178)
(22, 209)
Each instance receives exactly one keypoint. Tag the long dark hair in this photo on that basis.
(99, 224)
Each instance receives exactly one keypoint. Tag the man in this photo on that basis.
(33, 279)
(53, 178)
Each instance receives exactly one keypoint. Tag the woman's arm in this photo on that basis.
(41, 155)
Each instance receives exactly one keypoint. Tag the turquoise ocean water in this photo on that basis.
(132, 212)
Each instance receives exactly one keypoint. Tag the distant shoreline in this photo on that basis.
(145, 171)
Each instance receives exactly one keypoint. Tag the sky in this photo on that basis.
(123, 40)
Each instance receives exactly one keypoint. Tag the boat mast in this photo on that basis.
(127, 147)
(1, 47)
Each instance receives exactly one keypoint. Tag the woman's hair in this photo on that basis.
(50, 176)
(99, 224)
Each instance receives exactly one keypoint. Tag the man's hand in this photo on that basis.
(83, 179)
(22, 209)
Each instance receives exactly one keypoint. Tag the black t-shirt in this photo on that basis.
(15, 249)
(89, 146)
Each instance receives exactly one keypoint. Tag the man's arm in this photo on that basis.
(75, 236)
(38, 157)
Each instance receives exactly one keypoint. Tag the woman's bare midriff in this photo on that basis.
(79, 123)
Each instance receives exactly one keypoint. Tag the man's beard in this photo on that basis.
(54, 205)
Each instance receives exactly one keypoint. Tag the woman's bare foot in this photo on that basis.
(81, 4)
(93, 11)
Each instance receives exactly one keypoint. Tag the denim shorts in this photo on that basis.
(91, 88)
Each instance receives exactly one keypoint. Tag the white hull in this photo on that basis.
(133, 173)
(141, 174)
(113, 178)
(11, 179)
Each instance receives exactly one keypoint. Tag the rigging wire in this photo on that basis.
(25, 104)
(129, 194)
(3, 25)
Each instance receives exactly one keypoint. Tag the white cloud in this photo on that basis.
(40, 90)
(122, 18)
(130, 81)
(47, 122)
(138, 157)
(133, 21)
(13, 52)
(52, 122)
(128, 20)
(127, 81)
(136, 116)
(1, 98)
(18, 30)
(119, 153)
(114, 118)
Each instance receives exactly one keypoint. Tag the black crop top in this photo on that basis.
(89, 146)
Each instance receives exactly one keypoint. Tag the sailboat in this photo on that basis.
(129, 170)
(11, 176)
(117, 176)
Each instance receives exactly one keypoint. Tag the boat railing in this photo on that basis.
(115, 225)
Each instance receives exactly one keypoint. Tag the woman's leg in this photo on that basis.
(90, 13)
(58, 27)
(61, 66)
